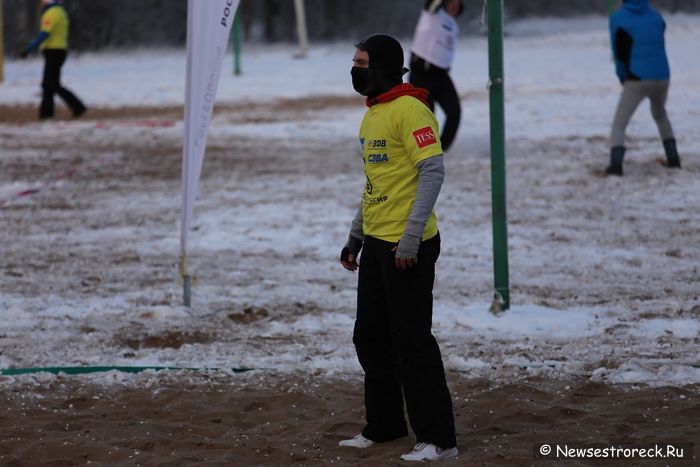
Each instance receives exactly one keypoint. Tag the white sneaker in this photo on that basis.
(429, 452)
(358, 441)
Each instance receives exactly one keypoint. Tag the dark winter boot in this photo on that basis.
(617, 154)
(672, 159)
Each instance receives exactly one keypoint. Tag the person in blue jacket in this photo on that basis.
(637, 39)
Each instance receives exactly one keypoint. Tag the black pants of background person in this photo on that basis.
(396, 347)
(51, 84)
(442, 91)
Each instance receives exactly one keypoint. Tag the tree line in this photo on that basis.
(100, 24)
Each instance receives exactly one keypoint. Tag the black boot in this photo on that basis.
(672, 159)
(617, 154)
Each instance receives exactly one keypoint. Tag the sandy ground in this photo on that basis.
(264, 418)
(268, 419)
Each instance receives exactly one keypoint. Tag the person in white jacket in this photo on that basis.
(432, 52)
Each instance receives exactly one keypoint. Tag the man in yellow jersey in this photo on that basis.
(52, 40)
(396, 229)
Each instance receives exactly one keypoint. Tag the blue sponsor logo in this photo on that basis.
(377, 158)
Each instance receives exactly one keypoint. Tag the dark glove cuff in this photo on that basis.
(353, 246)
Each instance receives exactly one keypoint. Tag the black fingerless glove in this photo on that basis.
(352, 247)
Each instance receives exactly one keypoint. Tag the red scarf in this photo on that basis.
(403, 89)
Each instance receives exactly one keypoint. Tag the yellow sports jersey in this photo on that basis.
(54, 22)
(395, 137)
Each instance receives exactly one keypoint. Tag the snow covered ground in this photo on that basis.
(604, 272)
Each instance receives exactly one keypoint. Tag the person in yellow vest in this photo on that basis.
(397, 231)
(52, 40)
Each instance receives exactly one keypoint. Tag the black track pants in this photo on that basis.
(396, 347)
(51, 84)
(442, 91)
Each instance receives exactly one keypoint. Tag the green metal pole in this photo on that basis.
(186, 281)
(236, 43)
(498, 157)
(187, 291)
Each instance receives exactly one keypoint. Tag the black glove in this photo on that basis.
(25, 53)
(353, 246)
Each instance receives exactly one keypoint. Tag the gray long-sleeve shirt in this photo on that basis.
(431, 174)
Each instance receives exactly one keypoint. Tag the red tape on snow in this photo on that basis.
(136, 124)
(54, 180)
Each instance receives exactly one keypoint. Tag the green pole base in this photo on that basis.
(501, 302)
(187, 291)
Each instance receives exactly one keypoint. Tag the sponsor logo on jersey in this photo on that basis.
(376, 143)
(367, 199)
(424, 137)
(377, 158)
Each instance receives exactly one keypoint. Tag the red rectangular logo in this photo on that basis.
(424, 137)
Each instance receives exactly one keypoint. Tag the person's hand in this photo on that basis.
(24, 53)
(406, 252)
(348, 256)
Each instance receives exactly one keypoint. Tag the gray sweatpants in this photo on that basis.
(634, 92)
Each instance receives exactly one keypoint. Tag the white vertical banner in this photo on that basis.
(208, 28)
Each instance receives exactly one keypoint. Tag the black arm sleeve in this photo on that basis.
(623, 46)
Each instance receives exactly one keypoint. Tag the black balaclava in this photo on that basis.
(385, 65)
